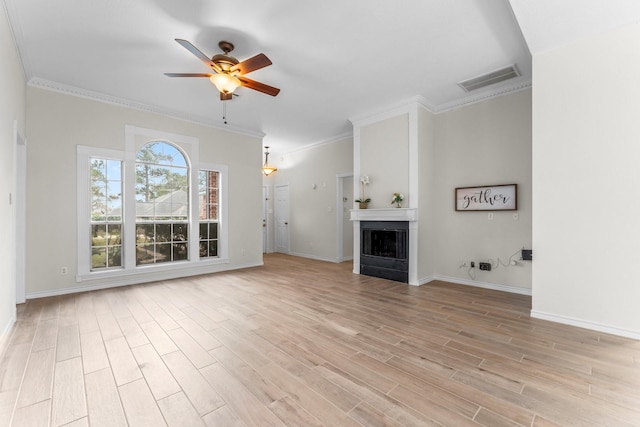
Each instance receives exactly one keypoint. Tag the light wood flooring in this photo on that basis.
(300, 342)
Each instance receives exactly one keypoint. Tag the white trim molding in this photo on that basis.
(478, 284)
(585, 324)
(392, 214)
(134, 279)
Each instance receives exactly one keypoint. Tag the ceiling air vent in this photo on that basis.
(493, 77)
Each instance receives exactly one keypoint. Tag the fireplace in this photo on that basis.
(384, 249)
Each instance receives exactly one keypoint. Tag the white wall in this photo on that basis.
(313, 217)
(428, 181)
(488, 143)
(12, 108)
(586, 151)
(57, 123)
(384, 157)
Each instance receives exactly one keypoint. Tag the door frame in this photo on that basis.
(20, 213)
(339, 216)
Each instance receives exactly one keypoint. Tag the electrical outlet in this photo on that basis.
(64, 270)
(484, 266)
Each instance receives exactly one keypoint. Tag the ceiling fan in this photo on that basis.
(228, 71)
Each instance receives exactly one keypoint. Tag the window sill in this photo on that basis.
(153, 272)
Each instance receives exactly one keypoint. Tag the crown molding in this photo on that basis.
(405, 106)
(16, 37)
(120, 102)
(469, 100)
(320, 143)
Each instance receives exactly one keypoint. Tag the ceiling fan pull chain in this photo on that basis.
(224, 113)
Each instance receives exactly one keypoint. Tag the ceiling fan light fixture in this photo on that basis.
(226, 83)
(266, 169)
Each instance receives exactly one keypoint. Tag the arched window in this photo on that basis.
(162, 204)
(153, 210)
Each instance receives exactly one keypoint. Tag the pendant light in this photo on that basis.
(266, 169)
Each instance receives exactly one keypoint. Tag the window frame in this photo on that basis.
(136, 137)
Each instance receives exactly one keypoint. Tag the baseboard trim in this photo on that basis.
(478, 284)
(585, 324)
(133, 280)
(5, 336)
(318, 258)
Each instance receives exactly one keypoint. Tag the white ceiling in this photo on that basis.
(333, 59)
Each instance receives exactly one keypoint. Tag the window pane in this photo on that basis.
(144, 233)
(114, 170)
(98, 258)
(99, 235)
(163, 252)
(144, 254)
(179, 232)
(114, 234)
(204, 230)
(98, 169)
(208, 195)
(213, 230)
(115, 256)
(163, 232)
(204, 246)
(213, 248)
(180, 252)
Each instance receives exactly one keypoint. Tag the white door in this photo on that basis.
(265, 217)
(347, 224)
(282, 218)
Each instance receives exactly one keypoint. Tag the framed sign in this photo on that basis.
(487, 198)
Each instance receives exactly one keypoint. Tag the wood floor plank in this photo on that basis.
(35, 415)
(190, 347)
(46, 335)
(132, 331)
(178, 411)
(38, 378)
(199, 334)
(158, 338)
(139, 406)
(156, 373)
(123, 364)
(103, 401)
(201, 394)
(94, 355)
(244, 404)
(68, 402)
(12, 366)
(223, 416)
(109, 327)
(68, 344)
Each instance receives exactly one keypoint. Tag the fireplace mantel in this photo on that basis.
(391, 214)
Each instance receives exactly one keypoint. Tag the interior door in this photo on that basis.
(265, 216)
(282, 218)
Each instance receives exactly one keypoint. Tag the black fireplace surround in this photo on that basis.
(384, 249)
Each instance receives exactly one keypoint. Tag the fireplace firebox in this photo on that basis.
(384, 249)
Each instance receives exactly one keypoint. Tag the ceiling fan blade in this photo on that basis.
(188, 74)
(260, 87)
(252, 64)
(201, 56)
(226, 96)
